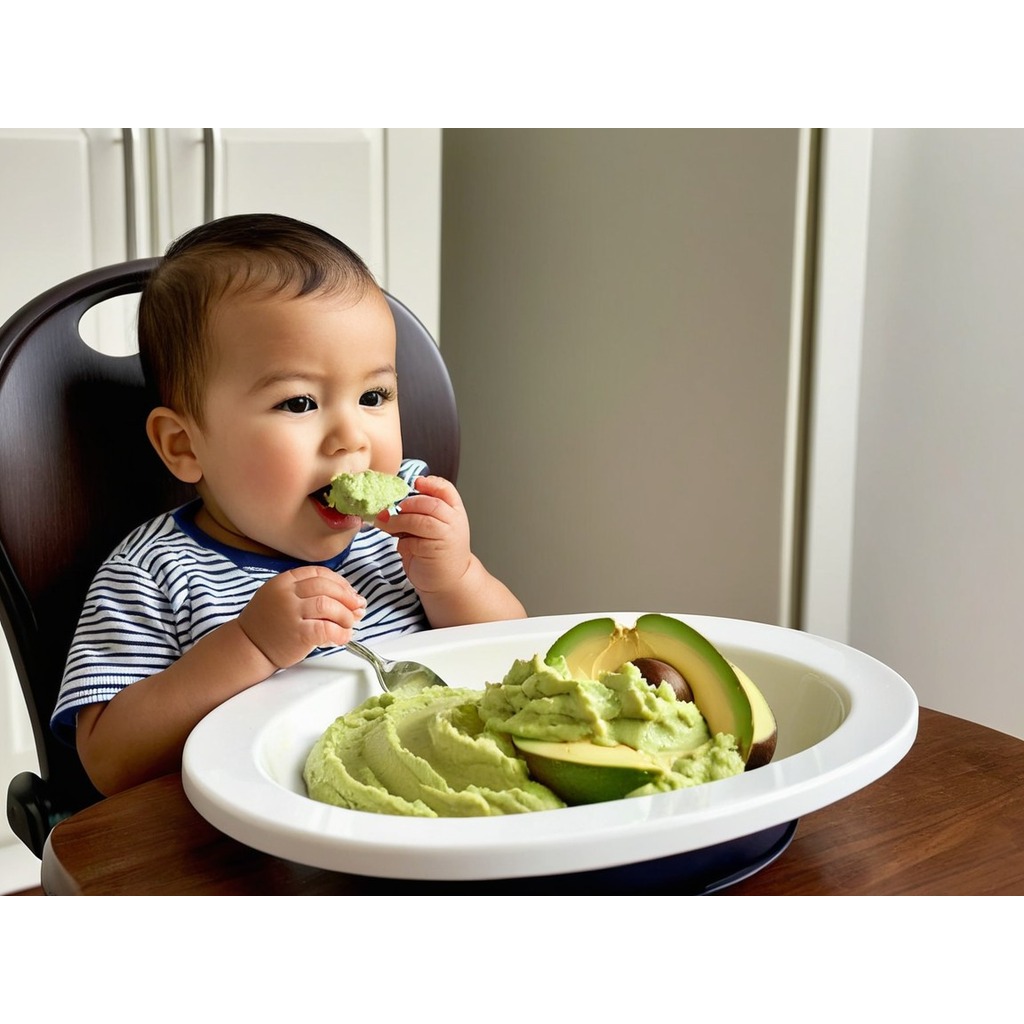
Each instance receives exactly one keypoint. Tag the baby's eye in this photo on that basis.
(298, 404)
(377, 397)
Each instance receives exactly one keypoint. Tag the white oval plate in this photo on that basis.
(844, 720)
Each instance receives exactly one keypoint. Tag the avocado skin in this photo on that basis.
(766, 733)
(582, 772)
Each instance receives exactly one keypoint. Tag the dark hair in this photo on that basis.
(248, 252)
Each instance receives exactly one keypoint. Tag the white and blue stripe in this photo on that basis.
(168, 584)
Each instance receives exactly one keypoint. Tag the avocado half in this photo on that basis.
(725, 696)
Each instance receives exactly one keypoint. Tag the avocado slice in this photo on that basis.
(729, 703)
(581, 772)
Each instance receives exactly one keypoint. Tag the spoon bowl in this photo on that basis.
(410, 676)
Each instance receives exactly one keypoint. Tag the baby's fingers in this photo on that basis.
(425, 524)
(315, 582)
(438, 487)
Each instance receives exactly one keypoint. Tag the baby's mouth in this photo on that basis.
(330, 515)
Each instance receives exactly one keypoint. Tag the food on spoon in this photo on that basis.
(547, 735)
(365, 494)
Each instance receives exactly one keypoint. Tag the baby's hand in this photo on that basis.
(301, 609)
(433, 535)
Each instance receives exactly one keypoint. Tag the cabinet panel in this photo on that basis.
(379, 190)
(413, 221)
(334, 179)
(61, 207)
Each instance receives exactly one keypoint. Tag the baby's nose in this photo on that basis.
(344, 433)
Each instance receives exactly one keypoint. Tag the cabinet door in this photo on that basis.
(65, 208)
(331, 177)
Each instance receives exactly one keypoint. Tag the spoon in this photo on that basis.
(394, 675)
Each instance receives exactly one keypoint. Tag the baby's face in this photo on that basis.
(298, 391)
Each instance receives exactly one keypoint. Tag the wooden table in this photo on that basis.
(947, 820)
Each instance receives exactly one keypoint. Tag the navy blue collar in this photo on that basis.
(185, 517)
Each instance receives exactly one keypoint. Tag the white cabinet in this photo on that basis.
(377, 189)
(76, 198)
(62, 207)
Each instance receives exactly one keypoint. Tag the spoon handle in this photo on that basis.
(367, 655)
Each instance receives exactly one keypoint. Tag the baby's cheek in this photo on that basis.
(386, 445)
(385, 461)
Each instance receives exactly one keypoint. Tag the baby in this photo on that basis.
(272, 350)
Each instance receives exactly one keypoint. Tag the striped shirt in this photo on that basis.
(168, 584)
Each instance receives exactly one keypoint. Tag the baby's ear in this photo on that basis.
(169, 433)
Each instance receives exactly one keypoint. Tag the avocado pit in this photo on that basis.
(656, 671)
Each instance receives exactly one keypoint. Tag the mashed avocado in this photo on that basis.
(542, 701)
(425, 754)
(365, 494)
(451, 753)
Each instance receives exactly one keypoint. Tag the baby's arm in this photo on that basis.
(433, 541)
(140, 733)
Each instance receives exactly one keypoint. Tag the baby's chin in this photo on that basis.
(317, 546)
(315, 554)
(311, 551)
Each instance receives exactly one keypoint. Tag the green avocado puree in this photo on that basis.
(449, 753)
(426, 754)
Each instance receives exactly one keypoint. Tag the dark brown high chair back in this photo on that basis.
(77, 473)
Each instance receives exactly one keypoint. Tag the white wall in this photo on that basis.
(616, 309)
(934, 578)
